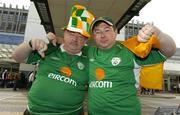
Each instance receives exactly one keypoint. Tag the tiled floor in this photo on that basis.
(12, 102)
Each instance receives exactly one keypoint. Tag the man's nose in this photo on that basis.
(102, 34)
(76, 36)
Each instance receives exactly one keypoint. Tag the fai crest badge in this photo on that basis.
(80, 65)
(115, 61)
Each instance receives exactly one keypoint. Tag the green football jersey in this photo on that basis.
(60, 83)
(112, 75)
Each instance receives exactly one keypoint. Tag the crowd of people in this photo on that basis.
(147, 91)
(15, 80)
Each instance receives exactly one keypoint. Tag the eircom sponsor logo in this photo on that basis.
(100, 84)
(62, 78)
(100, 74)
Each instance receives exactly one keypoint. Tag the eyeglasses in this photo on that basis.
(105, 31)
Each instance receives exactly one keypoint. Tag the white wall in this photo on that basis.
(121, 35)
(33, 27)
(172, 66)
(26, 67)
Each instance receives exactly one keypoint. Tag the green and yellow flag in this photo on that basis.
(150, 76)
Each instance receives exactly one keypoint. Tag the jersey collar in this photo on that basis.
(63, 50)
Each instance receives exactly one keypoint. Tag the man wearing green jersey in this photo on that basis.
(113, 68)
(62, 74)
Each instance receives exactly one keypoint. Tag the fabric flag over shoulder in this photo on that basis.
(150, 76)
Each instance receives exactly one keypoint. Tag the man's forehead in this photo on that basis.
(102, 25)
(79, 34)
(69, 31)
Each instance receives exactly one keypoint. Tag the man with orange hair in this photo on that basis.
(62, 75)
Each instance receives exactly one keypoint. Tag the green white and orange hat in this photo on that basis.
(80, 20)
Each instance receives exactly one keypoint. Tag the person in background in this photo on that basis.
(16, 81)
(62, 73)
(4, 77)
(31, 78)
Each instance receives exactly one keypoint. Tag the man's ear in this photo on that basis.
(86, 40)
(60, 40)
(116, 31)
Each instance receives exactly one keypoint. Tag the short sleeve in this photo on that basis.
(35, 57)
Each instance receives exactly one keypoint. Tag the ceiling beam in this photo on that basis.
(44, 14)
(42, 7)
(130, 13)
